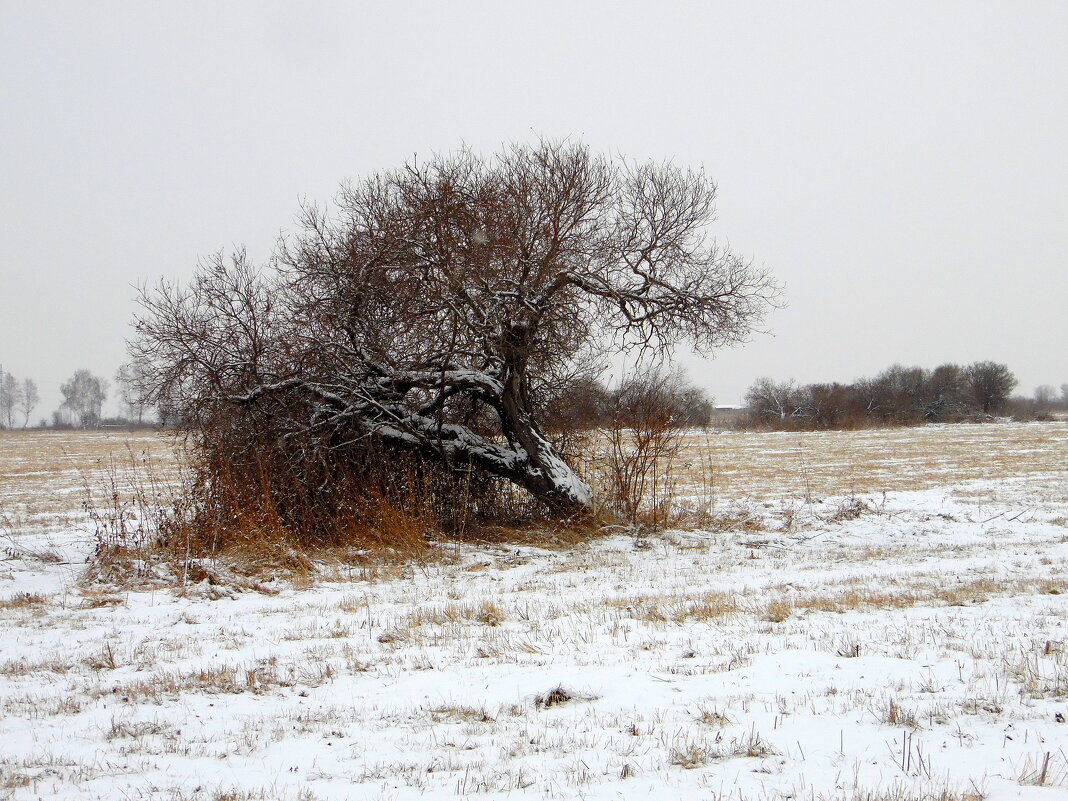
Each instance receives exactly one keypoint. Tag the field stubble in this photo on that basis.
(874, 615)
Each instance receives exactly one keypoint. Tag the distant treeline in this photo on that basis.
(898, 396)
(84, 395)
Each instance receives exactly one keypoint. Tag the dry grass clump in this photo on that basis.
(25, 667)
(98, 599)
(1041, 672)
(711, 717)
(849, 509)
(257, 678)
(896, 716)
(551, 534)
(778, 610)
(104, 659)
(486, 612)
(753, 746)
(153, 532)
(741, 519)
(1048, 769)
(135, 730)
(692, 755)
(449, 713)
(558, 696)
(677, 609)
(698, 753)
(22, 600)
(709, 606)
(223, 679)
(35, 706)
(40, 768)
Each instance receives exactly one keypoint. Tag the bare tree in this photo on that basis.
(28, 400)
(1045, 396)
(83, 396)
(437, 310)
(695, 405)
(826, 405)
(582, 405)
(771, 401)
(650, 411)
(128, 383)
(947, 396)
(10, 399)
(902, 394)
(991, 384)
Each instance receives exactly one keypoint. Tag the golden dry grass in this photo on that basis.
(40, 470)
(817, 464)
(43, 476)
(22, 600)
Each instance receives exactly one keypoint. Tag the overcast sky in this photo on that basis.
(901, 168)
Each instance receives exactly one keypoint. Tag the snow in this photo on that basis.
(912, 645)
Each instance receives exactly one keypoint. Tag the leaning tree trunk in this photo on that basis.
(542, 471)
(527, 460)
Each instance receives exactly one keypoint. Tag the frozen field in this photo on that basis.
(873, 615)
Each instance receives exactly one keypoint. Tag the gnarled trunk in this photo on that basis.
(543, 473)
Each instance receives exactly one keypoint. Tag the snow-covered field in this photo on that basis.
(872, 615)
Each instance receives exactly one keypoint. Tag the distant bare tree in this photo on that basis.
(436, 312)
(768, 400)
(1045, 396)
(10, 398)
(824, 405)
(695, 405)
(867, 394)
(128, 383)
(84, 395)
(581, 405)
(947, 396)
(991, 385)
(902, 392)
(28, 400)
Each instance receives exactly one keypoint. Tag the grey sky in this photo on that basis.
(902, 168)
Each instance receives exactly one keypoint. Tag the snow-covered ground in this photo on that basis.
(874, 615)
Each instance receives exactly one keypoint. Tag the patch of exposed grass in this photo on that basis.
(669, 608)
(224, 679)
(449, 713)
(698, 753)
(22, 600)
